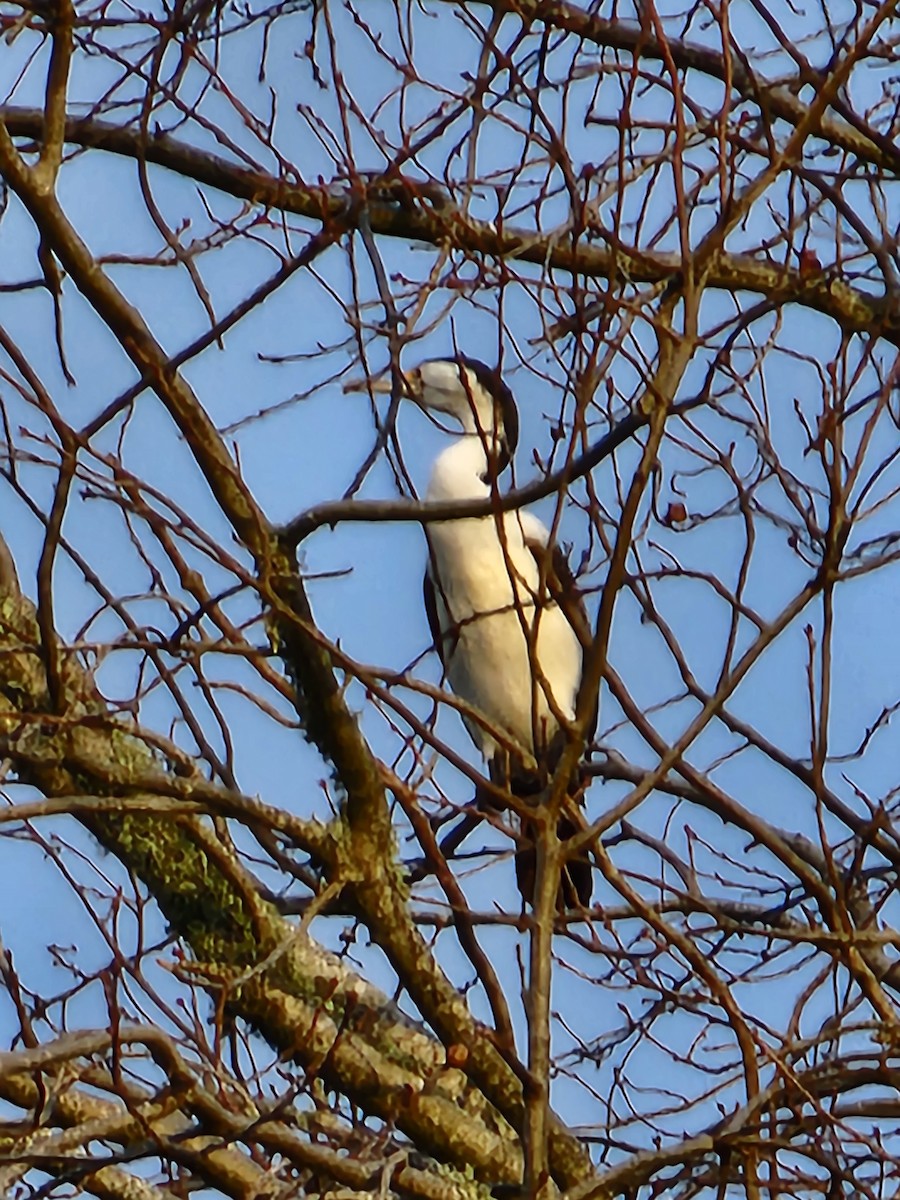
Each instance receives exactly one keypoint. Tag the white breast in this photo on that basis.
(508, 652)
(517, 662)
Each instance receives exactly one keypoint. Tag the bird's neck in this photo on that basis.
(459, 471)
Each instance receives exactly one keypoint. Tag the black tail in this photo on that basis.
(576, 885)
(576, 882)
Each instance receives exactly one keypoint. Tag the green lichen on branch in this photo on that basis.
(302, 999)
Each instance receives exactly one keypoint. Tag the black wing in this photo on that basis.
(431, 612)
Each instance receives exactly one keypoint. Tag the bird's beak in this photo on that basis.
(382, 386)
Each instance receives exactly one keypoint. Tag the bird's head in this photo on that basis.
(470, 393)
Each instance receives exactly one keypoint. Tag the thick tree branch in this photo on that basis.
(327, 719)
(778, 99)
(303, 1000)
(425, 220)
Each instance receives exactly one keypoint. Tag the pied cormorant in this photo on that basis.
(501, 601)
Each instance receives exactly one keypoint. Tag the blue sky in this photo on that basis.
(309, 451)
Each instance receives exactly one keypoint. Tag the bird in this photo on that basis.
(502, 604)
